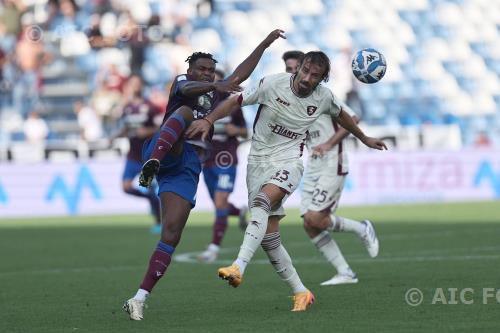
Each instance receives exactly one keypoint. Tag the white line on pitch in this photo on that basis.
(190, 257)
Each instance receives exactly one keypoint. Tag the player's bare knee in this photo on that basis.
(274, 193)
(273, 224)
(170, 235)
(221, 200)
(314, 219)
(307, 224)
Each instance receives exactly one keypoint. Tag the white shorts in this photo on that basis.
(321, 191)
(285, 175)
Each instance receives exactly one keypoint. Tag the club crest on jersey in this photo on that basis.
(311, 109)
(204, 102)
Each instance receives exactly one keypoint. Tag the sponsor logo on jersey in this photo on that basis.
(311, 109)
(204, 102)
(283, 131)
(285, 103)
(313, 135)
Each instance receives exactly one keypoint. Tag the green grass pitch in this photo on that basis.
(73, 274)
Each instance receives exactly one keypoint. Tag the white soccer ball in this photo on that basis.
(368, 65)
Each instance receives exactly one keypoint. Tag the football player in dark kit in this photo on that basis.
(138, 124)
(175, 161)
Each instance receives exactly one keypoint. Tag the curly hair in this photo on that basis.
(198, 55)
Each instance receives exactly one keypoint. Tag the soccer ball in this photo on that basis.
(368, 65)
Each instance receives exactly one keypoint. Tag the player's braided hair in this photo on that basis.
(197, 55)
(321, 59)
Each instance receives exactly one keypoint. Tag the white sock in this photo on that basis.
(213, 248)
(255, 230)
(331, 251)
(141, 295)
(340, 223)
(241, 264)
(281, 261)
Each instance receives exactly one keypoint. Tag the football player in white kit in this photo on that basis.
(289, 105)
(322, 187)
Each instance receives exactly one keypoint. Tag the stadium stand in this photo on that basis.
(443, 59)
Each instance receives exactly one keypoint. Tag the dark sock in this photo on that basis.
(220, 226)
(233, 211)
(157, 265)
(170, 132)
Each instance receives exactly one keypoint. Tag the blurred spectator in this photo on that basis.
(204, 8)
(52, 9)
(482, 140)
(96, 39)
(3, 61)
(35, 128)
(108, 94)
(88, 121)
(134, 35)
(30, 57)
(160, 98)
(10, 23)
(111, 79)
(4, 86)
(67, 19)
(101, 6)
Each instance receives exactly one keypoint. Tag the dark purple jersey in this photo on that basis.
(223, 146)
(202, 105)
(137, 115)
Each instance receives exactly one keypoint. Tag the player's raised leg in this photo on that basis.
(170, 132)
(174, 221)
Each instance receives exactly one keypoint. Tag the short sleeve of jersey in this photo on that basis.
(344, 106)
(334, 104)
(348, 109)
(238, 119)
(180, 81)
(255, 95)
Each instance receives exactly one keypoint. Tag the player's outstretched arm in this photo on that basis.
(222, 110)
(240, 74)
(197, 88)
(345, 120)
(243, 71)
